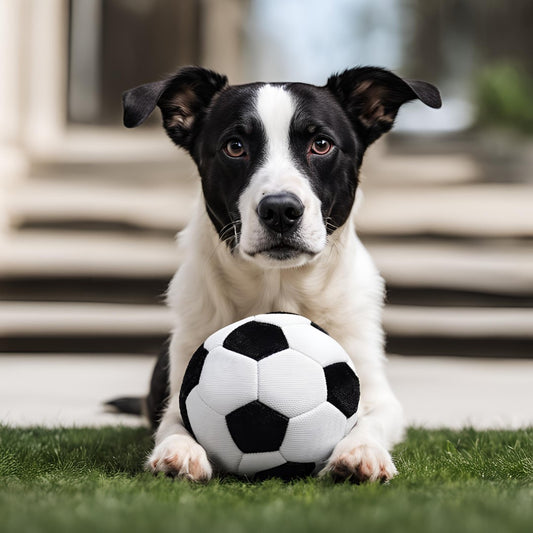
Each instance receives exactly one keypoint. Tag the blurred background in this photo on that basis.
(89, 210)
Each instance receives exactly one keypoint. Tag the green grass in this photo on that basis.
(80, 480)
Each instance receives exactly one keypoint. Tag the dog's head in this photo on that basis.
(279, 162)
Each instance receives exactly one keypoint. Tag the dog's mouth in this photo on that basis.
(282, 252)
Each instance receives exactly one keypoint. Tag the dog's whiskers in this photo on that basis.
(334, 245)
(330, 225)
(229, 236)
(225, 229)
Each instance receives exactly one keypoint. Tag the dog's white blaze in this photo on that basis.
(275, 108)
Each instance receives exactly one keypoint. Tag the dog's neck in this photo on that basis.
(243, 288)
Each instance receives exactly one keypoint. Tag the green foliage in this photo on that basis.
(504, 98)
(87, 480)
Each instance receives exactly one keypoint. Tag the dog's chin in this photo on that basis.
(280, 256)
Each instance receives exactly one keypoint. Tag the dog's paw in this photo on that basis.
(367, 461)
(180, 456)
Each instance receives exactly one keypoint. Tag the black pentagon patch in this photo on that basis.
(256, 428)
(287, 471)
(190, 380)
(343, 388)
(256, 340)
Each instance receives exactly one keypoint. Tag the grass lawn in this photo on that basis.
(81, 480)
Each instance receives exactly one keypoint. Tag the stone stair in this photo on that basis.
(90, 250)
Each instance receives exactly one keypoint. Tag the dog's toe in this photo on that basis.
(180, 456)
(365, 462)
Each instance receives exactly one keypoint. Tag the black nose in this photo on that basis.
(280, 212)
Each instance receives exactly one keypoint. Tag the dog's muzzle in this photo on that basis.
(280, 237)
(280, 213)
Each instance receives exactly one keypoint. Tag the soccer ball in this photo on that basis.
(270, 395)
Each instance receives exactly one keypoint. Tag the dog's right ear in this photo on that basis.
(182, 99)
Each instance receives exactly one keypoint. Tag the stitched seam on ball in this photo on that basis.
(257, 381)
(279, 450)
(207, 405)
(242, 456)
(307, 356)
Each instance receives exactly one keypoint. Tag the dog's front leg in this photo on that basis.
(176, 453)
(363, 455)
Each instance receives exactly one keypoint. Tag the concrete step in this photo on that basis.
(82, 319)
(463, 211)
(469, 211)
(126, 153)
(89, 319)
(98, 328)
(498, 267)
(125, 255)
(422, 170)
(493, 267)
(88, 146)
(155, 206)
(458, 322)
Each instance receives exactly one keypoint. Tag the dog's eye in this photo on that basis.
(321, 146)
(234, 148)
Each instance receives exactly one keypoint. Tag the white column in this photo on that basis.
(13, 160)
(84, 61)
(223, 36)
(46, 94)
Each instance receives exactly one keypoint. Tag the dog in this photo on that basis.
(279, 167)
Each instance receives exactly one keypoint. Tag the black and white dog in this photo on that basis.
(279, 165)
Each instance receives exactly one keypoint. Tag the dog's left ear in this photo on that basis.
(372, 96)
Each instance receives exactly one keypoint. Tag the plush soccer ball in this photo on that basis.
(270, 395)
